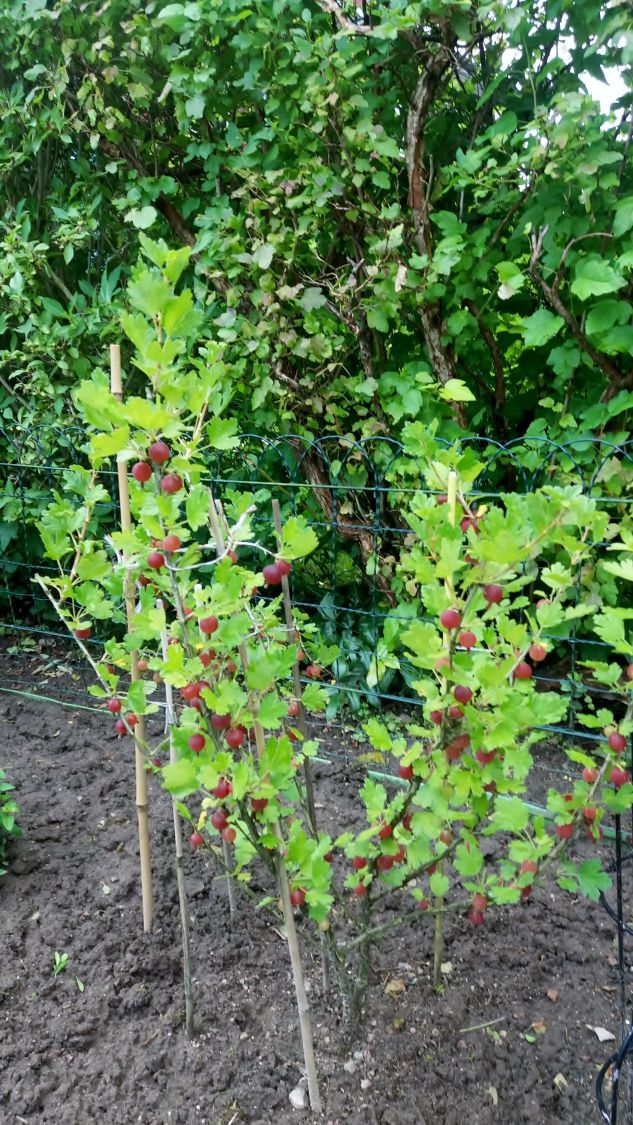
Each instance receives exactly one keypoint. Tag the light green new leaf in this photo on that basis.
(142, 217)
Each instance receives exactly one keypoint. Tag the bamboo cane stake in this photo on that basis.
(438, 939)
(303, 1006)
(139, 730)
(180, 873)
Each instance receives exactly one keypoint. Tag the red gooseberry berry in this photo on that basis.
(197, 743)
(493, 593)
(564, 831)
(529, 866)
(358, 862)
(114, 706)
(171, 483)
(467, 639)
(155, 560)
(196, 840)
(159, 452)
(235, 737)
(406, 773)
(523, 671)
(359, 890)
(272, 574)
(141, 471)
(590, 774)
(209, 625)
(537, 653)
(229, 834)
(617, 741)
(450, 619)
(618, 776)
(462, 693)
(475, 917)
(172, 543)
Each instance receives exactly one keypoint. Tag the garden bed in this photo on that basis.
(115, 1052)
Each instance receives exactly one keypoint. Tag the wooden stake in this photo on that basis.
(303, 1007)
(139, 730)
(438, 939)
(180, 873)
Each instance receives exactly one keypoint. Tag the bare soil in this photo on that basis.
(507, 1042)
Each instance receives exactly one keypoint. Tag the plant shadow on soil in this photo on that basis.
(116, 1053)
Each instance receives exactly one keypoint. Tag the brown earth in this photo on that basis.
(116, 1053)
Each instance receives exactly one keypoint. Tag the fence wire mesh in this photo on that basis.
(354, 494)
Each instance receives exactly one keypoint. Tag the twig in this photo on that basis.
(481, 1026)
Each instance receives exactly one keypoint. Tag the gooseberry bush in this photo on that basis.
(481, 589)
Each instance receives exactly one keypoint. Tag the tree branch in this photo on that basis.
(604, 362)
(497, 362)
(434, 66)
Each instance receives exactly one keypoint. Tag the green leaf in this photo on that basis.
(623, 216)
(468, 859)
(298, 538)
(454, 390)
(197, 506)
(378, 734)
(180, 778)
(312, 298)
(194, 106)
(438, 884)
(222, 433)
(594, 276)
(540, 327)
(263, 256)
(374, 797)
(143, 217)
(510, 815)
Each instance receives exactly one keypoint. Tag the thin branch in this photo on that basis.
(497, 362)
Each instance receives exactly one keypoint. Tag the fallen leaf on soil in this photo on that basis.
(446, 967)
(494, 1097)
(560, 1083)
(395, 987)
(538, 1027)
(552, 994)
(603, 1035)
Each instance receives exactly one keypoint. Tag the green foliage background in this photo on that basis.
(378, 206)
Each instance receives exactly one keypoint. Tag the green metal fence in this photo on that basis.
(353, 494)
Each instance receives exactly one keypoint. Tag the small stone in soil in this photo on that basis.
(298, 1098)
